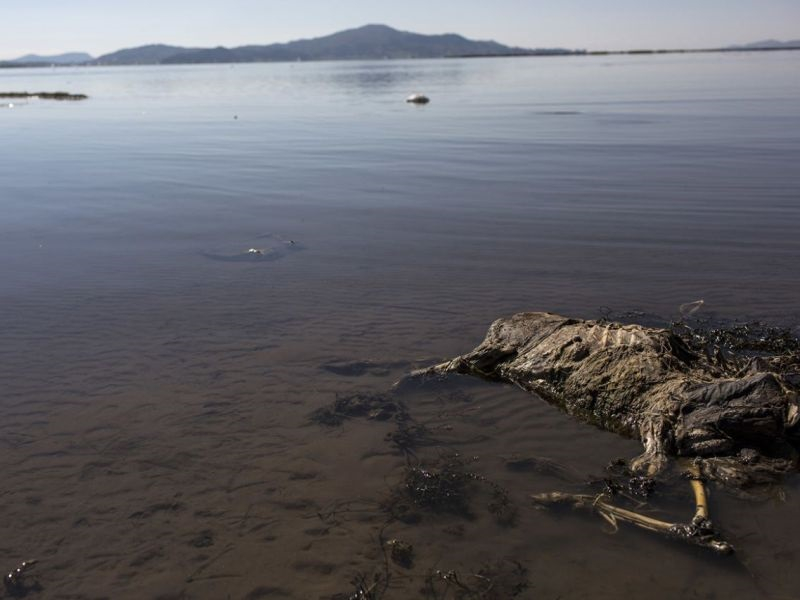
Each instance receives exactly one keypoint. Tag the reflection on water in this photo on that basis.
(390, 76)
(155, 402)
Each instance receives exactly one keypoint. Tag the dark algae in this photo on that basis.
(499, 580)
(443, 488)
(44, 95)
(19, 582)
(378, 407)
(738, 340)
(446, 486)
(402, 553)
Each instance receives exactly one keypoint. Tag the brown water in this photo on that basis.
(156, 389)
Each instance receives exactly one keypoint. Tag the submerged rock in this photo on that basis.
(649, 384)
(418, 99)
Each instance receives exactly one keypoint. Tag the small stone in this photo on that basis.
(418, 99)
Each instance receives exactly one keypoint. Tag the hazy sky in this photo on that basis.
(99, 26)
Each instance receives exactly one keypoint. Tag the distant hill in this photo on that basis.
(69, 58)
(152, 54)
(768, 44)
(368, 42)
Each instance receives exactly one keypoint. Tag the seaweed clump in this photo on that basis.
(444, 489)
(750, 338)
(376, 407)
(447, 488)
(498, 580)
(408, 434)
(363, 589)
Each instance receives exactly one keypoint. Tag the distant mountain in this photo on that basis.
(768, 44)
(368, 42)
(69, 58)
(143, 55)
(205, 55)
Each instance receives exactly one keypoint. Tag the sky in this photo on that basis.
(101, 26)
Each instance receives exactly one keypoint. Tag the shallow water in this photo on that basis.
(156, 440)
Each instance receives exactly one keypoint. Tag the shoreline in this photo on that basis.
(634, 52)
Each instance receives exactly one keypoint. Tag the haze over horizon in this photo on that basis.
(51, 27)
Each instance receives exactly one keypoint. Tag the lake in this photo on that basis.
(157, 378)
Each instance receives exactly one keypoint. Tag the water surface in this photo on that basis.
(154, 395)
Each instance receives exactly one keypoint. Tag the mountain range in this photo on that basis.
(768, 45)
(368, 42)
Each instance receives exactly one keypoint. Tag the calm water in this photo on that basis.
(155, 388)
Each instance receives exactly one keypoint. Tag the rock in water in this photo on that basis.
(418, 99)
(648, 384)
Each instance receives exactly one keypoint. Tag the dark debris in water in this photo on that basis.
(751, 338)
(499, 580)
(710, 334)
(364, 589)
(448, 487)
(622, 481)
(700, 532)
(44, 95)
(401, 553)
(377, 407)
(410, 436)
(19, 583)
(501, 507)
(444, 488)
(278, 248)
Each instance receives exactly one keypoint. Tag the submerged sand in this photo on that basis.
(167, 466)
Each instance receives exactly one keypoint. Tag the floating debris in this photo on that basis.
(418, 99)
(16, 581)
(690, 308)
(44, 95)
(279, 247)
(364, 590)
(499, 580)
